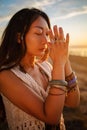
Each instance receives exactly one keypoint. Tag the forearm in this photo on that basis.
(68, 68)
(73, 96)
(55, 101)
(58, 71)
(54, 105)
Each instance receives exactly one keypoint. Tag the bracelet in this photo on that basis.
(59, 87)
(70, 82)
(54, 94)
(70, 77)
(72, 89)
(72, 85)
(58, 82)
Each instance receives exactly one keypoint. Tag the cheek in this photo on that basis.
(31, 43)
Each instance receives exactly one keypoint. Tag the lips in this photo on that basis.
(42, 49)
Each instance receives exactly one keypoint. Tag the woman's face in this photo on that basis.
(36, 38)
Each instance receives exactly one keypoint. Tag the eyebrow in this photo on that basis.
(39, 27)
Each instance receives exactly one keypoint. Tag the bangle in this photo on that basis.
(70, 82)
(58, 82)
(70, 77)
(54, 94)
(59, 87)
(72, 89)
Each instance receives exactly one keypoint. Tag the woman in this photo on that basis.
(35, 92)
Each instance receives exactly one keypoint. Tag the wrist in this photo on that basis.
(58, 72)
(68, 68)
(59, 63)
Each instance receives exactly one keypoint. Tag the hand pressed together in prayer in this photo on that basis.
(58, 45)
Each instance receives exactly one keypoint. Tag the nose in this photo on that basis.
(44, 39)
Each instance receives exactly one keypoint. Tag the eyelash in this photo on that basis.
(41, 34)
(38, 33)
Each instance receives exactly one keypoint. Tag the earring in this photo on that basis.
(21, 38)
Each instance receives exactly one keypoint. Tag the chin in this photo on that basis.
(39, 55)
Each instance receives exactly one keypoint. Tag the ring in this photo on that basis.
(56, 39)
(62, 41)
(52, 41)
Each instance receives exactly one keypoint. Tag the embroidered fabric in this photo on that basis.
(18, 119)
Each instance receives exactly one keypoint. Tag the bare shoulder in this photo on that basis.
(10, 83)
(20, 95)
(11, 87)
(4, 75)
(7, 77)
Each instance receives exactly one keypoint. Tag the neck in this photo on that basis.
(28, 62)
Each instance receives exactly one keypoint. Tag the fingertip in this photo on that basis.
(67, 37)
(55, 25)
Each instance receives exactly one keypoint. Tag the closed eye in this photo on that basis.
(37, 33)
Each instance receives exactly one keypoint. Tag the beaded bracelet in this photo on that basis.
(58, 82)
(72, 81)
(70, 77)
(72, 89)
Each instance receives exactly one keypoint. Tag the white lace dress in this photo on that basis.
(18, 119)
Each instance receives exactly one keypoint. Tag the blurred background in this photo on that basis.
(72, 16)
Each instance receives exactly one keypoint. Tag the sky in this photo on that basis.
(69, 14)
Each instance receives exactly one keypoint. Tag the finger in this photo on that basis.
(50, 33)
(51, 36)
(55, 29)
(67, 38)
(61, 33)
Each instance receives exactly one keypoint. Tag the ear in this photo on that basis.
(19, 37)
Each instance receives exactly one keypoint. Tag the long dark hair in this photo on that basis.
(11, 52)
